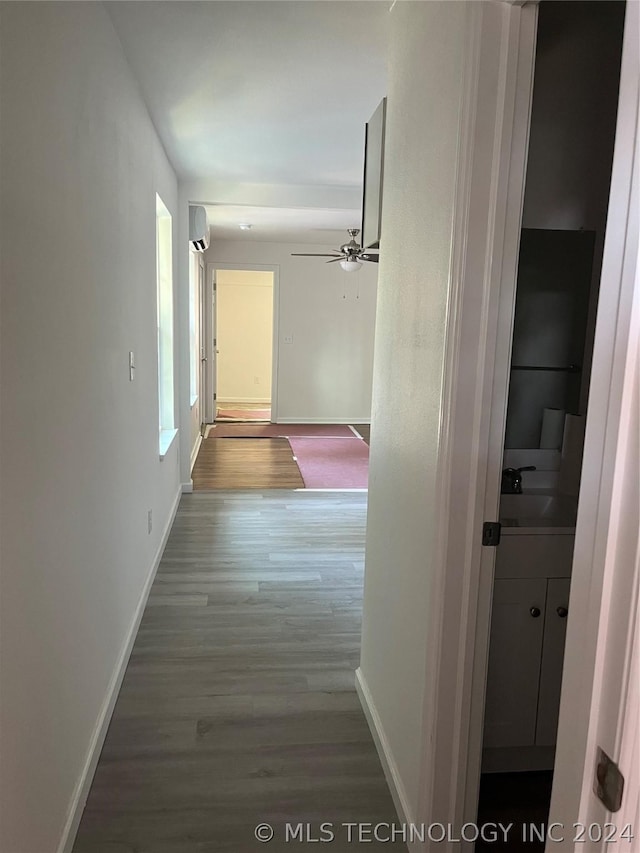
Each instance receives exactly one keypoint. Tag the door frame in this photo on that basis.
(211, 318)
(495, 117)
(494, 134)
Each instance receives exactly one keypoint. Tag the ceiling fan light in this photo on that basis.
(350, 266)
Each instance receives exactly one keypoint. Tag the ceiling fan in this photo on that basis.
(350, 255)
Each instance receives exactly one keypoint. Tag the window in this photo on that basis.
(164, 272)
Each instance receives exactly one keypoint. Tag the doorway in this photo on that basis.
(243, 343)
(573, 124)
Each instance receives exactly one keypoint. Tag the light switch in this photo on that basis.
(288, 339)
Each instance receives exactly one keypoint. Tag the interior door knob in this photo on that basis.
(562, 612)
(535, 612)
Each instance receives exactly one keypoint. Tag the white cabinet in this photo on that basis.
(526, 651)
(515, 652)
(555, 630)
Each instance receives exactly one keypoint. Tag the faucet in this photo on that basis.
(512, 480)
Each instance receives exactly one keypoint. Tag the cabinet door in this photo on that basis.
(517, 625)
(555, 629)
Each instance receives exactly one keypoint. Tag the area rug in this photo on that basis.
(243, 415)
(221, 430)
(332, 463)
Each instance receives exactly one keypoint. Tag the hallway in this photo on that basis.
(238, 705)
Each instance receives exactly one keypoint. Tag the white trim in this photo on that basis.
(391, 774)
(491, 391)
(493, 140)
(195, 450)
(194, 400)
(167, 437)
(187, 488)
(83, 786)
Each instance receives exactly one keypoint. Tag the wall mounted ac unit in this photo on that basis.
(198, 228)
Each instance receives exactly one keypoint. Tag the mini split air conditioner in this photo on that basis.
(198, 228)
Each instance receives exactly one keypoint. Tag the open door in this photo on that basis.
(202, 338)
(600, 706)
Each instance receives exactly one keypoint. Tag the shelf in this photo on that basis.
(571, 368)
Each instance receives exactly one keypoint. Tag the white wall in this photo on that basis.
(244, 334)
(425, 80)
(81, 164)
(326, 373)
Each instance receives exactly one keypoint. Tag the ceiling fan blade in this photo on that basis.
(333, 260)
(373, 258)
(312, 255)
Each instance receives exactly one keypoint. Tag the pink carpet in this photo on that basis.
(332, 463)
(280, 431)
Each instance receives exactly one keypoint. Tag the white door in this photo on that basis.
(207, 345)
(214, 350)
(600, 705)
(202, 338)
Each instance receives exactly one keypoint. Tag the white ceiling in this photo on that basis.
(321, 226)
(259, 92)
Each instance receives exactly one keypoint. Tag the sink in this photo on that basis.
(547, 509)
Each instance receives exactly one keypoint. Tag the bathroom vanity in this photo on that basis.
(528, 627)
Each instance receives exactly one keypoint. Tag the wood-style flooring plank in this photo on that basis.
(364, 430)
(246, 463)
(238, 705)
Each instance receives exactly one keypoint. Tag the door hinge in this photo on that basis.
(215, 396)
(608, 785)
(491, 533)
(215, 342)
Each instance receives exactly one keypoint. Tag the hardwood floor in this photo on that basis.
(246, 463)
(364, 430)
(260, 463)
(238, 705)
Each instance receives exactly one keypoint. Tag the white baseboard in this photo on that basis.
(187, 488)
(81, 792)
(345, 421)
(387, 760)
(195, 450)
